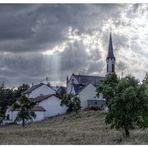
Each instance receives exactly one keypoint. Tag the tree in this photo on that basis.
(25, 113)
(145, 80)
(72, 102)
(108, 87)
(129, 106)
(22, 88)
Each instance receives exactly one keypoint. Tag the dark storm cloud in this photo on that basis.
(28, 30)
(39, 27)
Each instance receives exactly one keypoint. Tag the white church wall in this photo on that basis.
(88, 93)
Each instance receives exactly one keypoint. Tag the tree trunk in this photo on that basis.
(23, 123)
(127, 134)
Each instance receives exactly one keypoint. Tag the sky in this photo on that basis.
(56, 40)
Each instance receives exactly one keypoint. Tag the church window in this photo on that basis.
(113, 67)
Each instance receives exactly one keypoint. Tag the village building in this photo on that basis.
(46, 106)
(39, 90)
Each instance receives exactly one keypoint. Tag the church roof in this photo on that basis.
(110, 49)
(86, 79)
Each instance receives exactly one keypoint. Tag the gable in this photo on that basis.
(73, 80)
(88, 92)
(42, 90)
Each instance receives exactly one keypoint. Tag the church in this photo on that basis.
(84, 86)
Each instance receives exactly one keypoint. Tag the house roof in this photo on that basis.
(41, 98)
(86, 79)
(33, 88)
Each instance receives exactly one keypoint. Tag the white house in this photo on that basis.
(46, 106)
(10, 114)
(39, 90)
(51, 103)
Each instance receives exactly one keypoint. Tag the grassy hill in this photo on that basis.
(86, 128)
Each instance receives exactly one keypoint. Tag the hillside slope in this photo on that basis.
(86, 128)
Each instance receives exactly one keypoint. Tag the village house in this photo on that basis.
(40, 89)
(46, 106)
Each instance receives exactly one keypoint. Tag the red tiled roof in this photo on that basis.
(38, 108)
(41, 98)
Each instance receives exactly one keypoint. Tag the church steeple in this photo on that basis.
(110, 59)
(110, 54)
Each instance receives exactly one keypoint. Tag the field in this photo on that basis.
(86, 128)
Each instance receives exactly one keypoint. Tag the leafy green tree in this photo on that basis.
(25, 113)
(108, 87)
(129, 106)
(72, 102)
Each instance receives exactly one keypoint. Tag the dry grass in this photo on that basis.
(86, 128)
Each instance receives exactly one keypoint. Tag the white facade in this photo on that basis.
(70, 88)
(40, 115)
(88, 93)
(52, 106)
(42, 90)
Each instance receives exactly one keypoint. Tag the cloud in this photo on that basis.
(76, 38)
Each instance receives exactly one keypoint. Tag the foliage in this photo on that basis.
(22, 88)
(108, 87)
(72, 102)
(128, 108)
(25, 113)
(6, 98)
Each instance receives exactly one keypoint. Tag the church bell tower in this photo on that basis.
(110, 60)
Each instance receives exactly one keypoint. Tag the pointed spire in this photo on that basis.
(110, 49)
